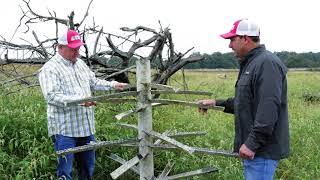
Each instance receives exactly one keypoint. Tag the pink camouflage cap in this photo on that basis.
(71, 39)
(241, 28)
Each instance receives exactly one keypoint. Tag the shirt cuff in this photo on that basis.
(113, 84)
(220, 102)
(251, 144)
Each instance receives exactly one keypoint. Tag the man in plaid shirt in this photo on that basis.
(65, 78)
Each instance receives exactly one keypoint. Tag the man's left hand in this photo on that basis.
(246, 153)
(90, 103)
(120, 86)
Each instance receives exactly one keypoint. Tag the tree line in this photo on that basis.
(228, 61)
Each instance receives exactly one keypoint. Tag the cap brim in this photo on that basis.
(228, 35)
(75, 45)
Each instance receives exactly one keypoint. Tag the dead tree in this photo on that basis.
(110, 56)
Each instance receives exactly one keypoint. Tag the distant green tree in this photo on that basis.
(228, 61)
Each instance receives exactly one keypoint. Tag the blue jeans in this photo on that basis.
(84, 160)
(259, 168)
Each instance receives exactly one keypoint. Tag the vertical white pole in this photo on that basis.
(145, 118)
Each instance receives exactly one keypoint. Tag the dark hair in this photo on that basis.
(253, 38)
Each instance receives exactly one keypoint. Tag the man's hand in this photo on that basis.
(90, 103)
(246, 153)
(207, 102)
(120, 86)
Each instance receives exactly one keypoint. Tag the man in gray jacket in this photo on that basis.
(260, 104)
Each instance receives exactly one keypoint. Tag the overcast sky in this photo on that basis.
(286, 25)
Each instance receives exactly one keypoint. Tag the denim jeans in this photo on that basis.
(259, 168)
(84, 160)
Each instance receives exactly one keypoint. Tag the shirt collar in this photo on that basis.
(252, 53)
(64, 61)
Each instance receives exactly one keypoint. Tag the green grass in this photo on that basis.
(26, 152)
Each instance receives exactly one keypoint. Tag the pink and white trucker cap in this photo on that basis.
(241, 28)
(71, 39)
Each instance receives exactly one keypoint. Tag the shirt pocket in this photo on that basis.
(69, 84)
(84, 80)
(243, 89)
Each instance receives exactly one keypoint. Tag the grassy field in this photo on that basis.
(26, 152)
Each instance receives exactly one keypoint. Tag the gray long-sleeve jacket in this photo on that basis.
(260, 105)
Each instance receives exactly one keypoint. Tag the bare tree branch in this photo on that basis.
(86, 14)
(41, 17)
(44, 52)
(112, 58)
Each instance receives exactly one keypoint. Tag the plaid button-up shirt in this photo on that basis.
(62, 81)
